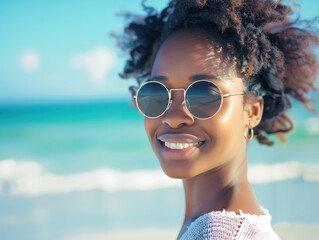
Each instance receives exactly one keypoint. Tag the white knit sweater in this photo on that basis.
(226, 225)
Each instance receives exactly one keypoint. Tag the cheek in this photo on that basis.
(228, 128)
(150, 126)
(232, 117)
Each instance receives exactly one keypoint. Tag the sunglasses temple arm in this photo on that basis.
(234, 94)
(133, 102)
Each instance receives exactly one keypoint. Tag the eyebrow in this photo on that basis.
(158, 78)
(195, 77)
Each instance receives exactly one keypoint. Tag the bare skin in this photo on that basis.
(214, 172)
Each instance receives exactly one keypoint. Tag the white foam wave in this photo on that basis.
(29, 178)
(266, 173)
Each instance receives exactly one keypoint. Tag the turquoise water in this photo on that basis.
(70, 139)
(73, 138)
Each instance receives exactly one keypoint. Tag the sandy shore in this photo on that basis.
(289, 231)
(286, 231)
(132, 234)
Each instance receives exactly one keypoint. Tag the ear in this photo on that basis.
(254, 108)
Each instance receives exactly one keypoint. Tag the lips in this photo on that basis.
(179, 138)
(179, 145)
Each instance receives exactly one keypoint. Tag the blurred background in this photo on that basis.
(75, 162)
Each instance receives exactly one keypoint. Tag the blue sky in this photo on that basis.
(47, 48)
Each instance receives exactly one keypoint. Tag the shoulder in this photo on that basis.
(229, 225)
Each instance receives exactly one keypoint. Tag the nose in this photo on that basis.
(177, 114)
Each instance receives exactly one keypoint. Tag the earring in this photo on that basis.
(251, 134)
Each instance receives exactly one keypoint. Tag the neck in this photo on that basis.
(225, 187)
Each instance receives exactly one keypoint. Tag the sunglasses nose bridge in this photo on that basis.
(175, 89)
(177, 114)
(182, 101)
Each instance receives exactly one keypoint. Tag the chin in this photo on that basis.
(179, 172)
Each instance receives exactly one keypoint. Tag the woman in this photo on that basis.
(212, 76)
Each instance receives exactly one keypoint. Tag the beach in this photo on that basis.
(285, 232)
(86, 171)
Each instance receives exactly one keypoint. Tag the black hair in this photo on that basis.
(275, 55)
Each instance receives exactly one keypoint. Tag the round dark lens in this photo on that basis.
(152, 99)
(203, 99)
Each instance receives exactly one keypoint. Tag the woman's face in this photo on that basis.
(216, 140)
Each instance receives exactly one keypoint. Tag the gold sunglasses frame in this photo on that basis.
(182, 89)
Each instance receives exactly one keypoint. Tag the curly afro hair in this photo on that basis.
(274, 57)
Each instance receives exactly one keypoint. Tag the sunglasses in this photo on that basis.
(203, 99)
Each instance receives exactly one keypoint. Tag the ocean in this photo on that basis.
(73, 170)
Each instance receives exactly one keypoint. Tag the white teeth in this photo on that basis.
(179, 145)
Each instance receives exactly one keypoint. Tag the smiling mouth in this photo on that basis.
(179, 146)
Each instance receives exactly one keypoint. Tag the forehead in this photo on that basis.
(189, 53)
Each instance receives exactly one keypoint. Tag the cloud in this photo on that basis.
(30, 60)
(96, 62)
